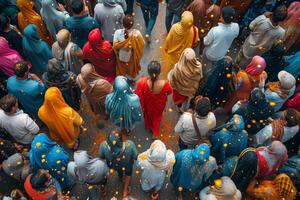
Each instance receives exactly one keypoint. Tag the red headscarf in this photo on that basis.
(99, 52)
(257, 66)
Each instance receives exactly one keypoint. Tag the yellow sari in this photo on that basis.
(62, 121)
(181, 36)
(28, 16)
(135, 42)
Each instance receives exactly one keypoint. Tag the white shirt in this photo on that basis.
(219, 39)
(19, 125)
(186, 130)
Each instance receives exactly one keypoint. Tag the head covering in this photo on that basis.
(285, 187)
(109, 2)
(63, 37)
(256, 66)
(287, 80)
(115, 144)
(122, 105)
(187, 73)
(274, 155)
(16, 167)
(193, 167)
(100, 53)
(54, 68)
(36, 50)
(47, 154)
(87, 169)
(63, 122)
(226, 191)
(236, 124)
(53, 18)
(8, 57)
(185, 23)
(159, 157)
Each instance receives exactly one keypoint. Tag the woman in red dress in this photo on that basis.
(99, 53)
(153, 93)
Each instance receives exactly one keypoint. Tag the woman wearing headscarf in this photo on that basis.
(123, 106)
(206, 15)
(119, 156)
(95, 87)
(223, 189)
(281, 187)
(246, 81)
(153, 93)
(282, 129)
(292, 25)
(27, 16)
(156, 163)
(17, 166)
(67, 52)
(256, 112)
(8, 58)
(36, 50)
(129, 48)
(278, 92)
(64, 123)
(87, 170)
(54, 19)
(185, 77)
(230, 140)
(255, 163)
(223, 78)
(99, 53)
(10, 9)
(181, 36)
(47, 154)
(192, 169)
(57, 76)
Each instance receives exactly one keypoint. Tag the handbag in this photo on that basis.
(201, 139)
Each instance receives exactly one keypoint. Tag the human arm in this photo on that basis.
(31, 126)
(179, 126)
(209, 38)
(253, 24)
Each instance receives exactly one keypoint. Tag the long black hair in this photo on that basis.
(154, 71)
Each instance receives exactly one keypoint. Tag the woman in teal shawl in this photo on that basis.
(35, 50)
(192, 169)
(47, 154)
(230, 140)
(123, 106)
(293, 65)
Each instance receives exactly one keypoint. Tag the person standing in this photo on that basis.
(17, 123)
(80, 24)
(129, 49)
(68, 53)
(64, 123)
(99, 52)
(153, 94)
(265, 32)
(218, 40)
(156, 163)
(36, 50)
(119, 156)
(27, 87)
(193, 127)
(110, 16)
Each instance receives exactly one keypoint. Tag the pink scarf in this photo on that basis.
(257, 66)
(8, 57)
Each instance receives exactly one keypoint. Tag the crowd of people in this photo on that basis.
(238, 58)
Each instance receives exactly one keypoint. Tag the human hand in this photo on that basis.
(60, 7)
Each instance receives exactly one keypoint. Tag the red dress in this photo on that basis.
(153, 105)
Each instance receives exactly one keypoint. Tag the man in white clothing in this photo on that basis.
(17, 123)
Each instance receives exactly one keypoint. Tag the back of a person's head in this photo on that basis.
(38, 180)
(128, 21)
(20, 69)
(8, 102)
(279, 14)
(4, 21)
(228, 14)
(203, 107)
(154, 69)
(292, 117)
(77, 6)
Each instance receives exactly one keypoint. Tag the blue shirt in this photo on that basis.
(152, 3)
(80, 27)
(30, 93)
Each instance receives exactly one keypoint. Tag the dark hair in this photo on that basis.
(203, 107)
(127, 24)
(38, 180)
(279, 14)
(77, 6)
(153, 71)
(4, 21)
(228, 14)
(21, 68)
(8, 102)
(292, 117)
(54, 68)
